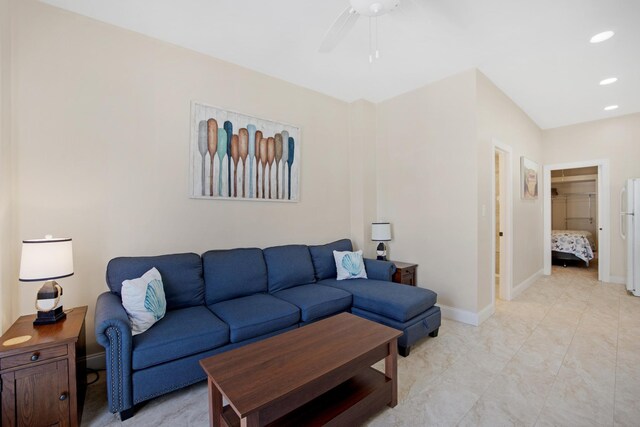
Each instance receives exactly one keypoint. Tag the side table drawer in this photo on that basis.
(32, 356)
(405, 273)
(408, 276)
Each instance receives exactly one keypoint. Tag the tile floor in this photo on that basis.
(566, 352)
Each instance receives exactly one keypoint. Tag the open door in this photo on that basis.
(603, 213)
(502, 207)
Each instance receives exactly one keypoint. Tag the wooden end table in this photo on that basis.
(313, 375)
(43, 371)
(405, 273)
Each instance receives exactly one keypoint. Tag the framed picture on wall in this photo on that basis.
(235, 156)
(528, 179)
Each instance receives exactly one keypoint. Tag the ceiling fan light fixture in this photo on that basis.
(608, 81)
(374, 7)
(600, 37)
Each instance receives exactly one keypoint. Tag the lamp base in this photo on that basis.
(381, 250)
(48, 317)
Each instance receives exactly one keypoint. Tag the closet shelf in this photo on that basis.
(575, 178)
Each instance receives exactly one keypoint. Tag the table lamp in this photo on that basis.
(381, 232)
(47, 259)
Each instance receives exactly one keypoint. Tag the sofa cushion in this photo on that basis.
(393, 300)
(181, 276)
(288, 266)
(255, 315)
(316, 301)
(322, 257)
(233, 273)
(179, 334)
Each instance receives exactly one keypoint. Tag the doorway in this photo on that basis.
(575, 198)
(501, 222)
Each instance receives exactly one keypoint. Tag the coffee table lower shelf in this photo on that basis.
(350, 403)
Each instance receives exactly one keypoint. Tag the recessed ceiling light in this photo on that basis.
(600, 37)
(610, 107)
(608, 81)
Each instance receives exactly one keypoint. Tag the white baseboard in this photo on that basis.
(486, 313)
(96, 361)
(464, 316)
(618, 280)
(526, 283)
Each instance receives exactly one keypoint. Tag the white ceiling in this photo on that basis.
(536, 51)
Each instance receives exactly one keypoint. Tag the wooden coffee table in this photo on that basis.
(315, 375)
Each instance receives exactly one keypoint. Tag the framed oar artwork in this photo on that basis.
(230, 161)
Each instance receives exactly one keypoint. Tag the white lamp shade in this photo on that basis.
(380, 231)
(46, 259)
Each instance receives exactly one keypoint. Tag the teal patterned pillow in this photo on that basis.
(144, 300)
(349, 265)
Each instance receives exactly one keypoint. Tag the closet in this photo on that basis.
(574, 200)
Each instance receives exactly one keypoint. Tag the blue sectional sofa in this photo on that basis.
(225, 299)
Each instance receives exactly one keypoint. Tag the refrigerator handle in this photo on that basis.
(623, 218)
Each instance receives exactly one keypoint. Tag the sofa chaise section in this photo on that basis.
(410, 309)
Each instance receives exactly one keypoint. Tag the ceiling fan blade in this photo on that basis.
(342, 25)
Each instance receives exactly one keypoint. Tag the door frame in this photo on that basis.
(604, 214)
(506, 271)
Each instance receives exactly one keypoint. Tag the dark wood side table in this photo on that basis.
(405, 273)
(43, 371)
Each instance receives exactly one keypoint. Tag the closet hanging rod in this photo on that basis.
(576, 194)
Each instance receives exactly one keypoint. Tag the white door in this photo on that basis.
(502, 221)
(629, 211)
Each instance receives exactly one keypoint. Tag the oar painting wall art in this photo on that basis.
(227, 161)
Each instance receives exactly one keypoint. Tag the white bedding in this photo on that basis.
(576, 242)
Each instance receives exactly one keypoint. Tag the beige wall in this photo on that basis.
(501, 119)
(435, 148)
(7, 270)
(99, 125)
(427, 160)
(362, 167)
(102, 123)
(616, 139)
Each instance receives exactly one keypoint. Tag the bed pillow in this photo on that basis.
(144, 300)
(349, 265)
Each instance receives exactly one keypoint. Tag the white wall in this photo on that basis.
(7, 269)
(427, 160)
(616, 139)
(500, 118)
(102, 121)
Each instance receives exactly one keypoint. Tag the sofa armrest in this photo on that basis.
(379, 270)
(113, 332)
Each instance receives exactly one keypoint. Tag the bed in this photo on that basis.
(572, 245)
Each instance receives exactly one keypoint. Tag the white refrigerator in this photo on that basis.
(630, 231)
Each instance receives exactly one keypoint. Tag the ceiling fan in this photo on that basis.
(348, 18)
(448, 12)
